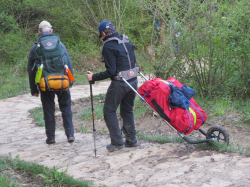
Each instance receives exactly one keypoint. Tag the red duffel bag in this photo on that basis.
(156, 92)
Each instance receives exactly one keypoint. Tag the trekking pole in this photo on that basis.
(91, 96)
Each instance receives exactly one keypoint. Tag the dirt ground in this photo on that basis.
(152, 124)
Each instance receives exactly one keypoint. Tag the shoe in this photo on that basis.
(48, 141)
(71, 139)
(113, 148)
(131, 143)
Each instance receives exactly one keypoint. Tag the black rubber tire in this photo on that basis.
(217, 132)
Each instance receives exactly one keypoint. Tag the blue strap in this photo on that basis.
(197, 110)
(147, 93)
(188, 116)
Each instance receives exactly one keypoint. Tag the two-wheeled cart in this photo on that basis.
(215, 133)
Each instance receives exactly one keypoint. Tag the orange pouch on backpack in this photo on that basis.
(54, 83)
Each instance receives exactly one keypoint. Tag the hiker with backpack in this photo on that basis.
(118, 55)
(50, 73)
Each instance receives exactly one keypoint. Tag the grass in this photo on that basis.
(80, 78)
(45, 175)
(4, 181)
(157, 137)
(83, 129)
(12, 83)
(86, 113)
(37, 114)
(140, 109)
(232, 147)
(220, 106)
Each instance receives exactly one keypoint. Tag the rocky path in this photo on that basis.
(149, 165)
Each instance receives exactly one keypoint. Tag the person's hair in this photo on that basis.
(46, 29)
(108, 31)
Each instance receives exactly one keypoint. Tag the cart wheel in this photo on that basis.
(219, 134)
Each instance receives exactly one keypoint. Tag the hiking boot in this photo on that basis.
(48, 141)
(131, 143)
(112, 147)
(71, 139)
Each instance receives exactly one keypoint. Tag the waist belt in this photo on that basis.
(127, 75)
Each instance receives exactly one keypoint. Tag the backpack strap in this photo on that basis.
(128, 74)
(124, 40)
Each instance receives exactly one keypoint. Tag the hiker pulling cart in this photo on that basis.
(174, 103)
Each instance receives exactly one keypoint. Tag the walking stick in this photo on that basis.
(91, 96)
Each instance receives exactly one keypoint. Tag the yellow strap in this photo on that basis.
(164, 81)
(194, 114)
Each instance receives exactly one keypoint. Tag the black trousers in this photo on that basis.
(119, 93)
(48, 102)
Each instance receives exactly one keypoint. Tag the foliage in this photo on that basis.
(212, 52)
(15, 49)
(204, 44)
(79, 28)
(7, 22)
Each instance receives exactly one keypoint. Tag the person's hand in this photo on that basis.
(35, 95)
(89, 75)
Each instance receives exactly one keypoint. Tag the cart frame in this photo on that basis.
(209, 135)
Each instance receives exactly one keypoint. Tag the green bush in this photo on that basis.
(213, 52)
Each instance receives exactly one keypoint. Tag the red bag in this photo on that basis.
(156, 93)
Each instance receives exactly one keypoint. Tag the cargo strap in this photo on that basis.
(52, 89)
(190, 109)
(194, 114)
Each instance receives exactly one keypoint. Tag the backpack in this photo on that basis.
(50, 56)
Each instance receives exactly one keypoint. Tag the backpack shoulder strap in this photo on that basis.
(49, 35)
(123, 41)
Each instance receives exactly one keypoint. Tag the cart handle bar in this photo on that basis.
(120, 75)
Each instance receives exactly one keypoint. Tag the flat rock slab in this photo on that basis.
(150, 164)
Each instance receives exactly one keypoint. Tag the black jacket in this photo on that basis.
(115, 58)
(32, 73)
